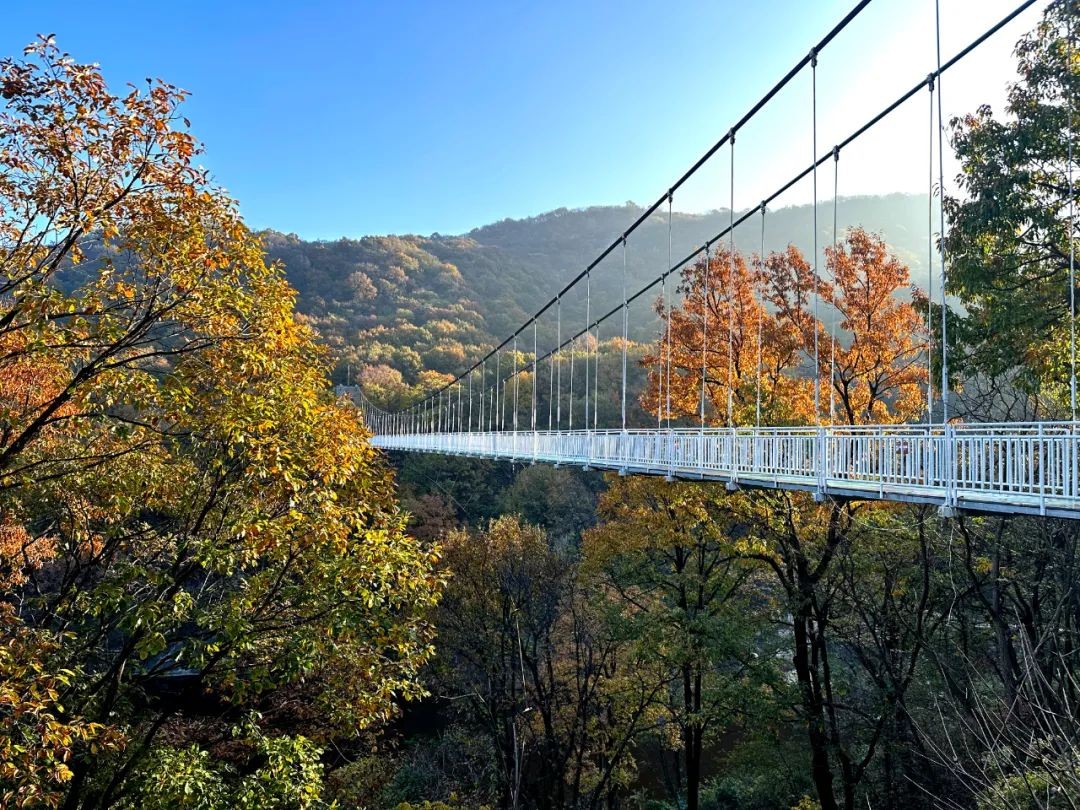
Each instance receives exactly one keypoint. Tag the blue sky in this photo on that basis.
(340, 118)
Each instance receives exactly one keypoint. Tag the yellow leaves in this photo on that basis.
(640, 514)
(982, 565)
(37, 737)
(754, 545)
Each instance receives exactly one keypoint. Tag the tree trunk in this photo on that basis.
(820, 770)
(693, 733)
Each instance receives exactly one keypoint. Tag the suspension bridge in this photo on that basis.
(1011, 467)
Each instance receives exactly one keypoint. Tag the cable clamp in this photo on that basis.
(731, 136)
(836, 152)
(930, 78)
(813, 57)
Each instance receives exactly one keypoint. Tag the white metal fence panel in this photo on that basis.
(1030, 467)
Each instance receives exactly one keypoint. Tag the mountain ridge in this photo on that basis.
(435, 303)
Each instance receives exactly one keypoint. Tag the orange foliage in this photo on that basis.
(21, 553)
(766, 310)
(722, 302)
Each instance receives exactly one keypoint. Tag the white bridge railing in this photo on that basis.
(1030, 468)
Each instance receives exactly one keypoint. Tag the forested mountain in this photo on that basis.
(438, 302)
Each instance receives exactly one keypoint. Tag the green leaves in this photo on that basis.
(288, 776)
(1008, 236)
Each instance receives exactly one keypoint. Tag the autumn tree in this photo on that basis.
(667, 560)
(752, 326)
(871, 361)
(1006, 658)
(187, 499)
(536, 670)
(1005, 664)
(721, 324)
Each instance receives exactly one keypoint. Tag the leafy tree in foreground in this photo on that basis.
(181, 499)
(1008, 235)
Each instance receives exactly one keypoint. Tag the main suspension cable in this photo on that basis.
(648, 212)
(802, 175)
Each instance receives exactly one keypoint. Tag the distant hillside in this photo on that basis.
(437, 302)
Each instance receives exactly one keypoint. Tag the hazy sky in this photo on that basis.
(338, 117)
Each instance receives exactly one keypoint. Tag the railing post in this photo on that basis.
(733, 480)
(928, 456)
(1068, 487)
(948, 508)
(821, 453)
(623, 442)
(1041, 460)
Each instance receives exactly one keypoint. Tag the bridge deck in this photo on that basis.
(1031, 468)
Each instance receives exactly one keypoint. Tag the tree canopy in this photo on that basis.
(181, 498)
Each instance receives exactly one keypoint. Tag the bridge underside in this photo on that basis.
(1031, 469)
